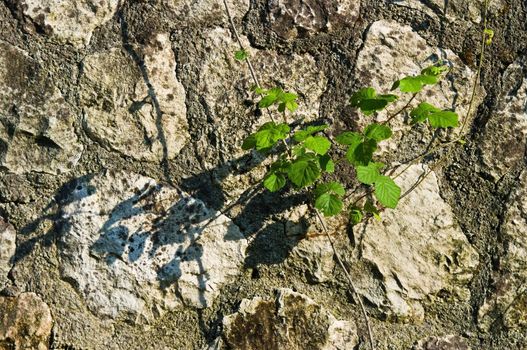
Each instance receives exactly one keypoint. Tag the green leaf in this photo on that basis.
(318, 144)
(333, 187)
(329, 204)
(281, 165)
(387, 192)
(428, 79)
(362, 153)
(304, 171)
(269, 134)
(435, 70)
(355, 215)
(408, 84)
(378, 132)
(349, 138)
(489, 35)
(370, 208)
(368, 174)
(291, 106)
(326, 163)
(364, 93)
(241, 55)
(443, 119)
(370, 106)
(287, 97)
(301, 135)
(274, 181)
(249, 142)
(420, 113)
(270, 98)
(389, 97)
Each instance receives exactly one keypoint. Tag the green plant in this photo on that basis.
(305, 155)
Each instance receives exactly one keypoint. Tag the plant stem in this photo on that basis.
(400, 111)
(478, 73)
(348, 276)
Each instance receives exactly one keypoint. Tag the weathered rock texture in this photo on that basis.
(134, 249)
(25, 322)
(37, 126)
(292, 321)
(135, 104)
(134, 214)
(418, 249)
(7, 250)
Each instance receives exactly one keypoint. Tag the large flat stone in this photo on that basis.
(135, 108)
(7, 250)
(133, 248)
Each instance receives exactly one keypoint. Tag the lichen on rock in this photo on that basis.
(133, 248)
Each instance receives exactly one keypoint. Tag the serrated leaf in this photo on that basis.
(270, 98)
(241, 55)
(368, 174)
(291, 106)
(387, 192)
(355, 215)
(420, 113)
(362, 153)
(304, 172)
(333, 187)
(249, 142)
(443, 119)
(318, 144)
(274, 181)
(349, 138)
(287, 97)
(364, 93)
(370, 106)
(269, 134)
(326, 163)
(378, 132)
(434, 70)
(428, 79)
(329, 204)
(301, 135)
(408, 84)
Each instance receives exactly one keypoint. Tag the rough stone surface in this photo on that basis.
(507, 301)
(447, 342)
(37, 126)
(291, 321)
(135, 107)
(203, 11)
(504, 142)
(314, 257)
(292, 19)
(133, 248)
(25, 322)
(392, 51)
(70, 21)
(7, 250)
(418, 249)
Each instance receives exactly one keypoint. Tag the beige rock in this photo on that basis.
(419, 250)
(297, 18)
(140, 113)
(206, 10)
(71, 21)
(37, 126)
(7, 250)
(134, 249)
(25, 322)
(292, 321)
(447, 342)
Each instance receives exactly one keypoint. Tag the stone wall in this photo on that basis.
(130, 218)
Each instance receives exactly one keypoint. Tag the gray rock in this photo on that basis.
(504, 142)
(291, 321)
(314, 257)
(418, 249)
(508, 298)
(133, 248)
(392, 51)
(292, 19)
(206, 11)
(37, 126)
(7, 250)
(138, 112)
(25, 322)
(447, 342)
(70, 21)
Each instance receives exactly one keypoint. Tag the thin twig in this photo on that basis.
(478, 73)
(348, 276)
(400, 111)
